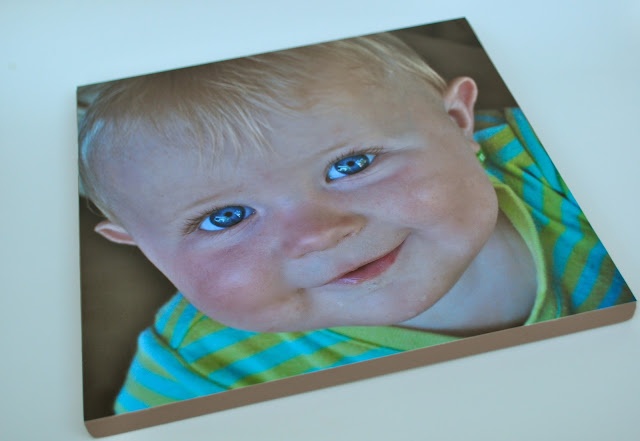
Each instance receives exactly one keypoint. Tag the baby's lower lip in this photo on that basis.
(370, 270)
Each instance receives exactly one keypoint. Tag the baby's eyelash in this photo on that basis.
(193, 224)
(354, 152)
(217, 220)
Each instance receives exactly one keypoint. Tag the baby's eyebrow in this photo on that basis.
(335, 146)
(201, 204)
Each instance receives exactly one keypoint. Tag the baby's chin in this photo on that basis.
(393, 318)
(302, 324)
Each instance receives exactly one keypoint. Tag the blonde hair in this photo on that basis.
(227, 103)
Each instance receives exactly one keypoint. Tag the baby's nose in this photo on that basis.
(317, 228)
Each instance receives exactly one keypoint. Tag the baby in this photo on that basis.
(325, 205)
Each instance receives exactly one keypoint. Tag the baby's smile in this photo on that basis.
(369, 270)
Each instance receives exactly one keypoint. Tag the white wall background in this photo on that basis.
(573, 66)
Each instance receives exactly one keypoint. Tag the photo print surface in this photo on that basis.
(268, 225)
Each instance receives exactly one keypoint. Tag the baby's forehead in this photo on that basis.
(334, 93)
(224, 111)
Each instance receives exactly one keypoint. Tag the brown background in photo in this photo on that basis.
(121, 290)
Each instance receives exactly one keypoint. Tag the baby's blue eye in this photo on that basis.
(349, 166)
(226, 217)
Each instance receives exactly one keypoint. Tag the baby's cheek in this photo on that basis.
(428, 197)
(412, 195)
(233, 291)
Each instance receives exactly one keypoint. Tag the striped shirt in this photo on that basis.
(185, 354)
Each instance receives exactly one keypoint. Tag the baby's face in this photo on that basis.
(366, 211)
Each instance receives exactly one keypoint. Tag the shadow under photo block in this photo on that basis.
(326, 214)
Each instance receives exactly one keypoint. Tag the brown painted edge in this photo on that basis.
(358, 371)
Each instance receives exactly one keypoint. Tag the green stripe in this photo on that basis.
(322, 358)
(214, 361)
(200, 327)
(401, 339)
(173, 319)
(149, 363)
(146, 395)
(497, 141)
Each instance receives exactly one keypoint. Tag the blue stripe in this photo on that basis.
(213, 342)
(561, 252)
(532, 171)
(533, 195)
(154, 348)
(128, 402)
(485, 134)
(536, 150)
(485, 118)
(545, 165)
(276, 355)
(319, 339)
(533, 192)
(509, 151)
(571, 216)
(165, 313)
(183, 325)
(157, 383)
(589, 275)
(615, 291)
(496, 173)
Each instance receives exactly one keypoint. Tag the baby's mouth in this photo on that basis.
(369, 270)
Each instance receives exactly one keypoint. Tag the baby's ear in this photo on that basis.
(114, 232)
(459, 99)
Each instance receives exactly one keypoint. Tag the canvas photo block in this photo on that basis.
(274, 224)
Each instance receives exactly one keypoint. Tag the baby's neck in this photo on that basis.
(497, 290)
